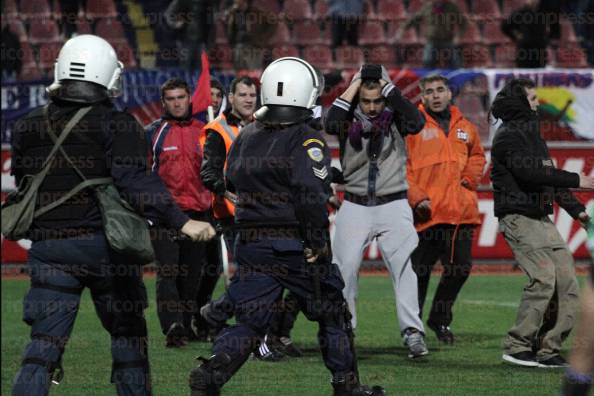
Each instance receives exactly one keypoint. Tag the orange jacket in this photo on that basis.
(437, 164)
(222, 207)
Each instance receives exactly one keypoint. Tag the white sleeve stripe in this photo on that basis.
(342, 104)
(387, 89)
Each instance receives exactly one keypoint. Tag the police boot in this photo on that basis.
(348, 385)
(209, 377)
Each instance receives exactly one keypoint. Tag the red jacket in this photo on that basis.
(437, 165)
(176, 155)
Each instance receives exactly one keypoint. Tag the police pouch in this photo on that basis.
(126, 232)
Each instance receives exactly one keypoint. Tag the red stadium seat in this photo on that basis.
(10, 9)
(486, 10)
(267, 5)
(83, 26)
(472, 34)
(371, 33)
(409, 36)
(27, 55)
(282, 35)
(382, 54)
(111, 30)
(567, 31)
(101, 9)
(492, 33)
(414, 6)
(284, 50)
(511, 5)
(319, 56)
(348, 57)
(125, 54)
(389, 10)
(221, 57)
(320, 9)
(308, 33)
(17, 27)
(48, 53)
(505, 56)
(297, 10)
(35, 9)
(462, 6)
(43, 30)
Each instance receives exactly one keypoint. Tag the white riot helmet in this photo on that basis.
(89, 58)
(289, 88)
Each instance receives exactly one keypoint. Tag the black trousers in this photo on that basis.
(452, 245)
(180, 264)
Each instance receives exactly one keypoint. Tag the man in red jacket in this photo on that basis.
(176, 157)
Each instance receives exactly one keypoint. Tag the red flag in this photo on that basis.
(201, 96)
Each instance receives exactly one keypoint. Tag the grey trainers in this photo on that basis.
(415, 341)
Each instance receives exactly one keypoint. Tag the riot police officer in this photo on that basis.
(279, 167)
(69, 250)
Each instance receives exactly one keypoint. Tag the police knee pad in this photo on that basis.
(348, 385)
(208, 378)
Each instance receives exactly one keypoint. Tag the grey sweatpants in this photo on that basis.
(392, 224)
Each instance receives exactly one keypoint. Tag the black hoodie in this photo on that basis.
(525, 180)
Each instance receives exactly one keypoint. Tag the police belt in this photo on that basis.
(378, 200)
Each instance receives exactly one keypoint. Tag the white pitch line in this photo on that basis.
(491, 303)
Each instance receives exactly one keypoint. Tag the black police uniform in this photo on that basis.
(281, 177)
(69, 250)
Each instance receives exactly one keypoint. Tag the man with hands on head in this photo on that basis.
(371, 119)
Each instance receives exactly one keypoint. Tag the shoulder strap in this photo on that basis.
(58, 146)
(78, 188)
(58, 142)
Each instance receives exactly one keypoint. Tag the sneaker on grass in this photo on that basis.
(415, 341)
(524, 358)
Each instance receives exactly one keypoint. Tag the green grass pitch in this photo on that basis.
(484, 311)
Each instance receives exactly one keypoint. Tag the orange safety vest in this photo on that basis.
(222, 207)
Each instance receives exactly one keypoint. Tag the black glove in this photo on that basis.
(371, 72)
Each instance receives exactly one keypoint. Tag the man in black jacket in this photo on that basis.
(69, 250)
(526, 183)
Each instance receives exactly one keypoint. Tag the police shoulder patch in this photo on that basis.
(315, 154)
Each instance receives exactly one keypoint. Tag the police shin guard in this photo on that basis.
(348, 385)
(211, 375)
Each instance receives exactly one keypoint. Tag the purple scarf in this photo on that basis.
(366, 127)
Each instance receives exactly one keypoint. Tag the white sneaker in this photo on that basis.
(415, 341)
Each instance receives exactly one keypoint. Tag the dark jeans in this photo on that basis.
(60, 270)
(440, 242)
(180, 264)
(345, 28)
